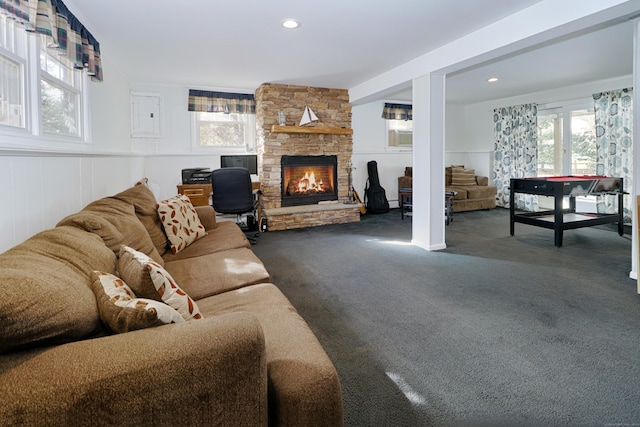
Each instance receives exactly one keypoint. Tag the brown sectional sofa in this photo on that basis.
(251, 361)
(479, 195)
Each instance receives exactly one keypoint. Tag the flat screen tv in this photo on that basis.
(249, 161)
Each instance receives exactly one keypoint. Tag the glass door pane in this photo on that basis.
(549, 144)
(583, 142)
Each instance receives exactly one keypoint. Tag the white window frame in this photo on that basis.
(390, 127)
(249, 146)
(12, 54)
(31, 136)
(77, 87)
(564, 110)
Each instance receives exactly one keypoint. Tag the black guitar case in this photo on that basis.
(375, 198)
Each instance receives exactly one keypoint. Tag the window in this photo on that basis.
(220, 130)
(400, 134)
(55, 105)
(60, 94)
(567, 146)
(13, 65)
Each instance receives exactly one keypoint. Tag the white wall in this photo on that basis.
(47, 180)
(369, 143)
(167, 155)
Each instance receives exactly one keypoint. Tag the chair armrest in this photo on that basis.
(207, 216)
(482, 180)
(203, 372)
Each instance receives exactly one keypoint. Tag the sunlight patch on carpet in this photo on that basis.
(391, 242)
(412, 395)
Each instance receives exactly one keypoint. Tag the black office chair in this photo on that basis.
(233, 194)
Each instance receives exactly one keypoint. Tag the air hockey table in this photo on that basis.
(559, 187)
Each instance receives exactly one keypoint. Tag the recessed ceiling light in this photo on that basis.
(290, 24)
(492, 79)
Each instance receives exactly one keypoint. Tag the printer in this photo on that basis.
(196, 176)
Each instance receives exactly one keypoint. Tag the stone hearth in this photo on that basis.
(330, 136)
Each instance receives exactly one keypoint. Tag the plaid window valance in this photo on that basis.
(65, 33)
(221, 102)
(397, 111)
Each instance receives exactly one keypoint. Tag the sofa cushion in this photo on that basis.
(116, 222)
(463, 177)
(45, 295)
(164, 284)
(227, 235)
(481, 192)
(144, 203)
(120, 309)
(180, 221)
(461, 193)
(218, 272)
(303, 384)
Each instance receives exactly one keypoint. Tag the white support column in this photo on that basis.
(428, 162)
(636, 151)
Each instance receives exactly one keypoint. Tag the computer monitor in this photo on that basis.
(249, 161)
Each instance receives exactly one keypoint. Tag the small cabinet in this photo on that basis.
(198, 193)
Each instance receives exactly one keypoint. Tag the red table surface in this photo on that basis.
(569, 177)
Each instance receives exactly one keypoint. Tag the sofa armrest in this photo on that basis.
(203, 372)
(207, 216)
(482, 180)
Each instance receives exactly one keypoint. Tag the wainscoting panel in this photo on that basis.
(38, 191)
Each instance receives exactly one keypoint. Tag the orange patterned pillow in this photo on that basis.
(121, 311)
(180, 221)
(169, 291)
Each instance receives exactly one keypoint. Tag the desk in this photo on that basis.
(197, 193)
(559, 187)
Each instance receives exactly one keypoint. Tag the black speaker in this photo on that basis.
(263, 224)
(252, 223)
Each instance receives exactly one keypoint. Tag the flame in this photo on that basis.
(309, 183)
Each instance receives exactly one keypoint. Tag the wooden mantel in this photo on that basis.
(313, 130)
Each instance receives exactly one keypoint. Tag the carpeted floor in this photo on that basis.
(494, 329)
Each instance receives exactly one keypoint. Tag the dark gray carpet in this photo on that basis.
(492, 330)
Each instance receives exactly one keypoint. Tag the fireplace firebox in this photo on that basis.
(308, 180)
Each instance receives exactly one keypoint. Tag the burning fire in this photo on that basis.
(308, 183)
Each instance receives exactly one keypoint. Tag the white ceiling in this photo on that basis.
(599, 55)
(239, 44)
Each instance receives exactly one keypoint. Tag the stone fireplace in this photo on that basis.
(308, 179)
(328, 138)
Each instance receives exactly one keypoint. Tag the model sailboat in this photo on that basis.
(308, 116)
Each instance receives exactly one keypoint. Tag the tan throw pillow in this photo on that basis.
(145, 204)
(463, 177)
(180, 221)
(121, 311)
(116, 222)
(165, 286)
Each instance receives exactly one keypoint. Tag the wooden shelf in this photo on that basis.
(313, 130)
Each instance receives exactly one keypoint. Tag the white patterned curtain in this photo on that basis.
(614, 142)
(515, 152)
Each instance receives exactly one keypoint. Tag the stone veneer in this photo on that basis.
(334, 111)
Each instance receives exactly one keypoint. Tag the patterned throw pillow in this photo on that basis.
(121, 311)
(166, 287)
(463, 177)
(180, 221)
